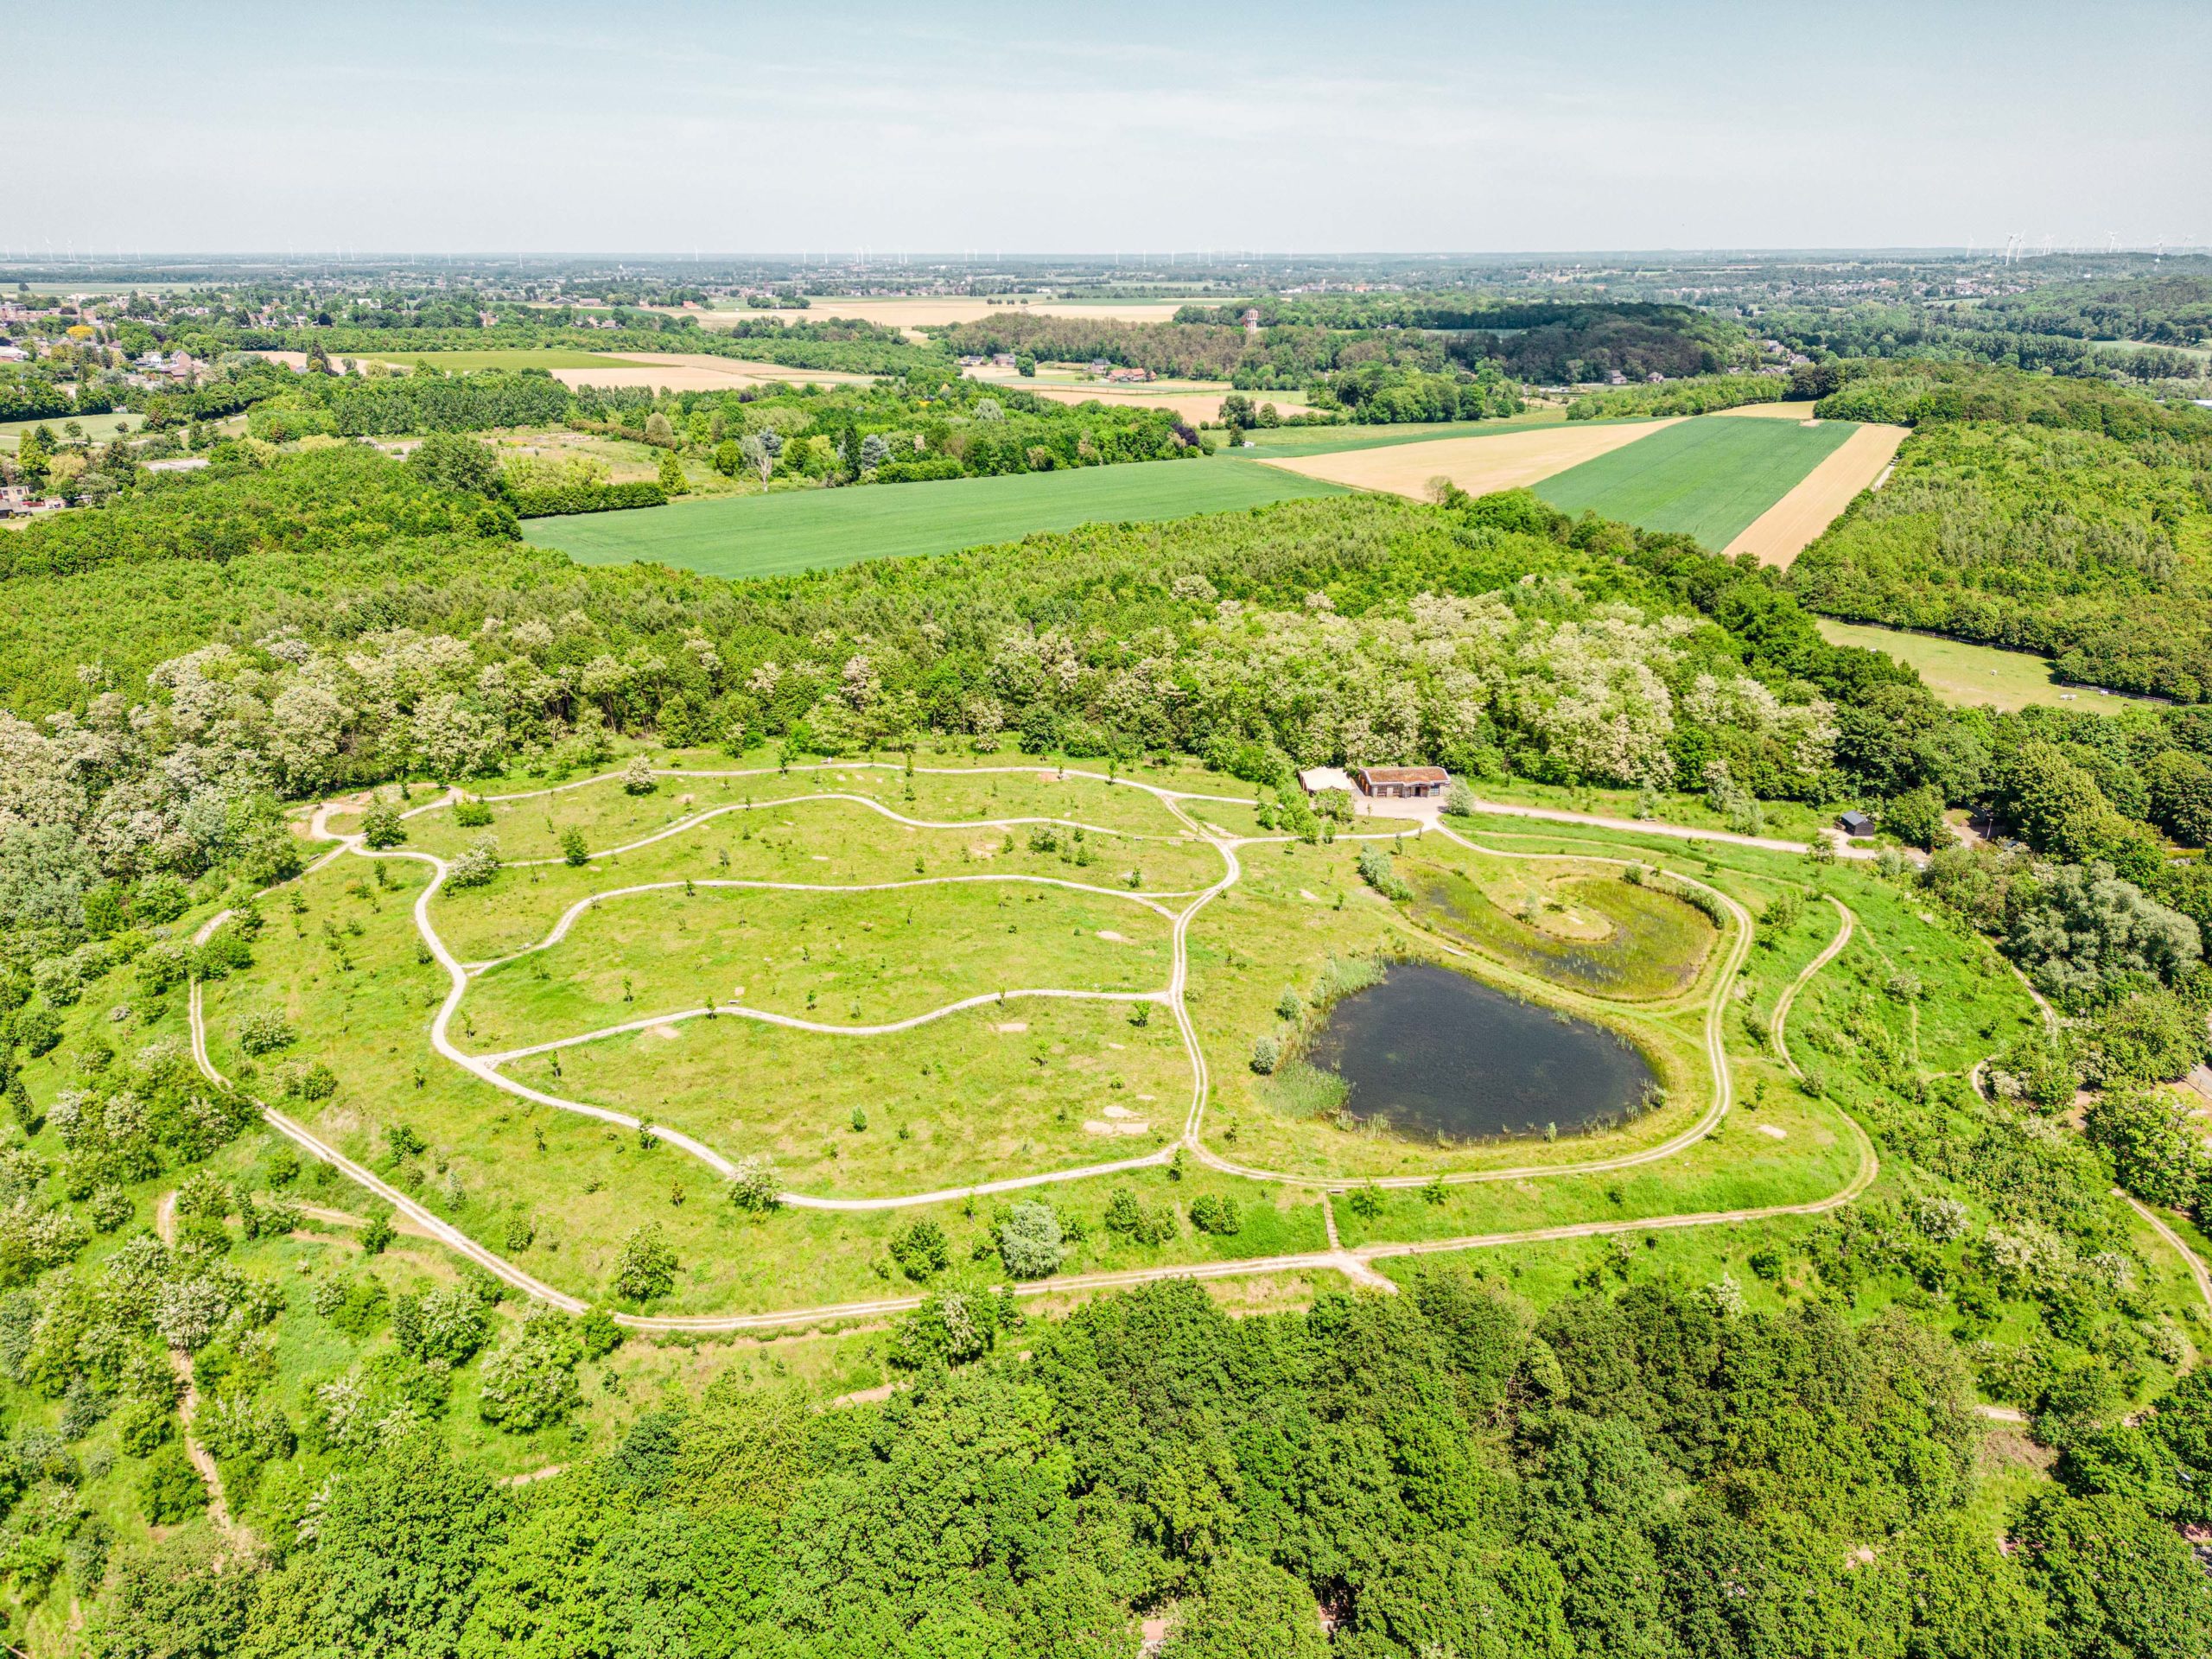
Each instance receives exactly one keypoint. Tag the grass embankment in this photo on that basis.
(1708, 478)
(1970, 675)
(815, 529)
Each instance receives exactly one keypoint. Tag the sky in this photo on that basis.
(234, 126)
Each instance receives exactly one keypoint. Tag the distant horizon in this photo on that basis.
(1586, 125)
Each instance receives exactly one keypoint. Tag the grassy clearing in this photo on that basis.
(862, 959)
(1580, 925)
(1036, 1085)
(815, 529)
(1708, 478)
(1969, 676)
(96, 428)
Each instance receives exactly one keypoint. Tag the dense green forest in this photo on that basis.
(1553, 345)
(2060, 516)
(1638, 1464)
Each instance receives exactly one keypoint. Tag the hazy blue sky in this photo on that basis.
(937, 124)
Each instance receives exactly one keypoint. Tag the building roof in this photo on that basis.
(1314, 780)
(1405, 775)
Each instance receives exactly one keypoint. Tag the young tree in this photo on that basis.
(1029, 1236)
(645, 1269)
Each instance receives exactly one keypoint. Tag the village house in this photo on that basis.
(1128, 374)
(1403, 782)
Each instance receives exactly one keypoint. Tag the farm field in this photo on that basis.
(1288, 442)
(1194, 401)
(1711, 478)
(1971, 675)
(1791, 524)
(1479, 464)
(813, 530)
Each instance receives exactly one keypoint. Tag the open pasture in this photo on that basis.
(1710, 478)
(812, 530)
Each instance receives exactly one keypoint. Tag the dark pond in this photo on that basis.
(1436, 1053)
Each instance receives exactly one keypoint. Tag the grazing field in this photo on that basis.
(98, 427)
(1791, 524)
(1498, 460)
(814, 529)
(1710, 478)
(1971, 675)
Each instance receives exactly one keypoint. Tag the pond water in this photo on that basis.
(1435, 1053)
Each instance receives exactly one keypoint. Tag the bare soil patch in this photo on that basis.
(1788, 527)
(1477, 465)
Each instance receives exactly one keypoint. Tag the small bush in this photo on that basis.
(471, 813)
(382, 826)
(169, 1489)
(1217, 1214)
(1267, 1054)
(264, 1033)
(921, 1250)
(477, 864)
(1029, 1236)
(573, 852)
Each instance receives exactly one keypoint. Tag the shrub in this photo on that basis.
(599, 1333)
(521, 1233)
(637, 779)
(954, 1325)
(445, 1324)
(1217, 1214)
(1376, 870)
(382, 826)
(169, 1488)
(1267, 1054)
(756, 1186)
(470, 813)
(264, 1033)
(1289, 1005)
(478, 863)
(1028, 1236)
(921, 1250)
(1125, 1215)
(110, 1208)
(530, 1380)
(645, 1268)
(377, 1236)
(573, 852)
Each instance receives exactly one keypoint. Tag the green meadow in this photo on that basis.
(814, 529)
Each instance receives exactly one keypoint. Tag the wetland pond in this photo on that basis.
(1434, 1052)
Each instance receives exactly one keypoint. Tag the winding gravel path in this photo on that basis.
(1356, 1263)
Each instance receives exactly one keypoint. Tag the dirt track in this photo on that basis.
(1477, 465)
(1786, 529)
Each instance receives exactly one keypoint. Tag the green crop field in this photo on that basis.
(1283, 442)
(1708, 478)
(813, 530)
(1972, 675)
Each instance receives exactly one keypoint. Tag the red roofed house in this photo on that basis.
(1403, 782)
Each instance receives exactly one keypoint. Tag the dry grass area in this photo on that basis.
(1786, 529)
(1508, 460)
(698, 371)
(1791, 411)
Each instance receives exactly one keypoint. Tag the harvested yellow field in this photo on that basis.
(1786, 529)
(1510, 461)
(1193, 406)
(697, 371)
(1791, 411)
